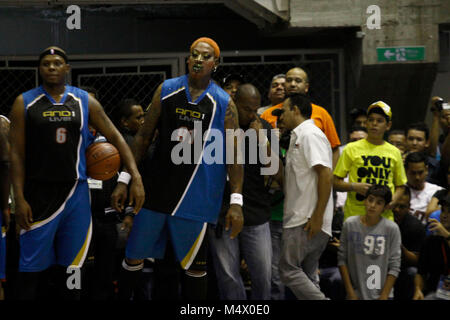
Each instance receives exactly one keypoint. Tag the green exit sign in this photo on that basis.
(399, 54)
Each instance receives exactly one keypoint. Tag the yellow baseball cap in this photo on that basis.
(383, 106)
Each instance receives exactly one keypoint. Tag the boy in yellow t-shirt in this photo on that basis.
(370, 161)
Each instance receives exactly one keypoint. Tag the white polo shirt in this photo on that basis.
(308, 147)
(421, 198)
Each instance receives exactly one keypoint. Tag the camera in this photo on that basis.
(439, 104)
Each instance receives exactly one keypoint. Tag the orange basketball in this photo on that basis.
(102, 161)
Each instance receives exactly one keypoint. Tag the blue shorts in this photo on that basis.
(62, 238)
(2, 248)
(150, 231)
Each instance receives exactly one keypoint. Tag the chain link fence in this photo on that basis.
(14, 81)
(112, 88)
(140, 81)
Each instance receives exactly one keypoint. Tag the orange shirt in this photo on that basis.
(321, 118)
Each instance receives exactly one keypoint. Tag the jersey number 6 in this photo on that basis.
(61, 135)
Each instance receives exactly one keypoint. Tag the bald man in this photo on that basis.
(297, 81)
(253, 243)
(182, 197)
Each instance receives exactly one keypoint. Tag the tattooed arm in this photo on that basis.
(100, 121)
(235, 171)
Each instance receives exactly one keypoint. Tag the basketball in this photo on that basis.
(102, 161)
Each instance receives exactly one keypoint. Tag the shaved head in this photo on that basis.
(248, 100)
(298, 69)
(297, 81)
(247, 90)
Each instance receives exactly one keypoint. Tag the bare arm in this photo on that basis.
(100, 121)
(388, 285)
(324, 184)
(410, 256)
(139, 146)
(4, 128)
(273, 162)
(340, 185)
(432, 206)
(418, 287)
(335, 156)
(4, 181)
(279, 175)
(351, 295)
(17, 158)
(399, 190)
(434, 130)
(144, 136)
(235, 172)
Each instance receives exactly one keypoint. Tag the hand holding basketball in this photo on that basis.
(102, 161)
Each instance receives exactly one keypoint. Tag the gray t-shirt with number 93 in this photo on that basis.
(370, 254)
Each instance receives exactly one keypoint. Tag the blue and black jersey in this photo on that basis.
(191, 190)
(57, 135)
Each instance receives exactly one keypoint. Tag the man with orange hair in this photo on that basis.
(183, 196)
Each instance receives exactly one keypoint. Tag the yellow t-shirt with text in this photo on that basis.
(369, 163)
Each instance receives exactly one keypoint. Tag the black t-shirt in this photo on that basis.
(413, 234)
(440, 194)
(256, 195)
(437, 172)
(431, 262)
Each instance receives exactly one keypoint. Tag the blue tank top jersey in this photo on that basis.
(57, 135)
(192, 189)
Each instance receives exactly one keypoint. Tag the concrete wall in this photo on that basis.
(406, 86)
(403, 22)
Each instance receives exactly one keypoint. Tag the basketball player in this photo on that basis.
(49, 136)
(182, 198)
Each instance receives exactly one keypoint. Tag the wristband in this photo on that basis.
(352, 187)
(124, 177)
(236, 198)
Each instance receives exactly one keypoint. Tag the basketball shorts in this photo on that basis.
(63, 233)
(2, 247)
(150, 232)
